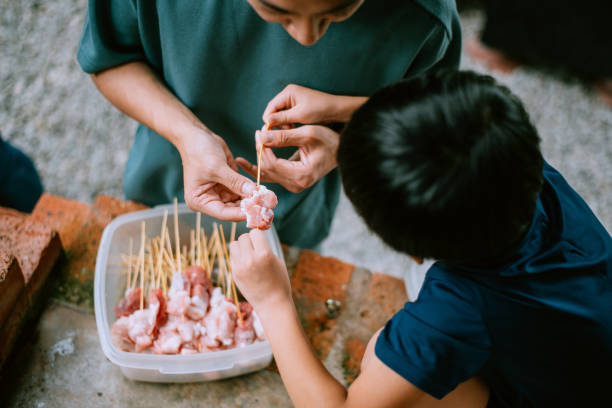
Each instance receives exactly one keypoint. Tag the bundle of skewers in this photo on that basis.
(182, 299)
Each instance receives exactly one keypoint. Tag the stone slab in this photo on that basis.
(63, 366)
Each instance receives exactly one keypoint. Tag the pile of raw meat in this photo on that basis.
(196, 317)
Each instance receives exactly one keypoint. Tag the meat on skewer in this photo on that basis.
(220, 322)
(245, 333)
(129, 303)
(258, 208)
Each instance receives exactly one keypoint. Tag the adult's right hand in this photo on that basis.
(300, 105)
(212, 183)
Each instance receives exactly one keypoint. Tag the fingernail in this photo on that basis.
(266, 137)
(248, 188)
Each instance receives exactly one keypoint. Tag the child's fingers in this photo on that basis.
(259, 241)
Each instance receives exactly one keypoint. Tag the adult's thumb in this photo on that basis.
(235, 182)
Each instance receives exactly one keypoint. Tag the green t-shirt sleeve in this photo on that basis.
(440, 50)
(110, 36)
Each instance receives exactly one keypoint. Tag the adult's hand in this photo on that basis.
(211, 179)
(314, 158)
(298, 104)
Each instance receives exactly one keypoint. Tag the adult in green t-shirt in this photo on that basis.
(198, 76)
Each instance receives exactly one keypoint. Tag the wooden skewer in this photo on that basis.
(141, 264)
(177, 241)
(192, 247)
(233, 233)
(259, 151)
(222, 234)
(214, 235)
(129, 282)
(152, 269)
(221, 274)
(206, 254)
(235, 296)
(160, 253)
(230, 284)
(260, 148)
(158, 259)
(168, 251)
(198, 241)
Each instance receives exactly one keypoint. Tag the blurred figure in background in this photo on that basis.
(561, 33)
(20, 186)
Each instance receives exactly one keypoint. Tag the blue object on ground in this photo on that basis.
(20, 186)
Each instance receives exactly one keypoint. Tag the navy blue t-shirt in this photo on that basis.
(537, 329)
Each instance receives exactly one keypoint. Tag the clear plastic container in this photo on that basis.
(109, 287)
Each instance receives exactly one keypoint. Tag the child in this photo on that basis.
(516, 312)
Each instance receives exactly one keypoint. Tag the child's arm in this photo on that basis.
(263, 280)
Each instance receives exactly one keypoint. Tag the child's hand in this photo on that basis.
(260, 275)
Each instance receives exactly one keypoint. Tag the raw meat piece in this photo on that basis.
(156, 297)
(220, 322)
(119, 335)
(198, 304)
(140, 327)
(168, 342)
(129, 303)
(178, 295)
(186, 329)
(196, 275)
(244, 333)
(258, 208)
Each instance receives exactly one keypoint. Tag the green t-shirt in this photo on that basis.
(225, 63)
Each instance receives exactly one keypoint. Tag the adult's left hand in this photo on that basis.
(315, 157)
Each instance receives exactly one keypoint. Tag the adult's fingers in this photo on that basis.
(233, 181)
(221, 211)
(283, 118)
(282, 101)
(284, 137)
(247, 166)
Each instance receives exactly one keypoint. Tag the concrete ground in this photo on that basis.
(79, 142)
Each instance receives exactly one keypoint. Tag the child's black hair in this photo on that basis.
(444, 166)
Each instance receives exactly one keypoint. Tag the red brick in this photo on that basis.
(62, 215)
(36, 248)
(108, 208)
(11, 284)
(316, 279)
(84, 249)
(25, 238)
